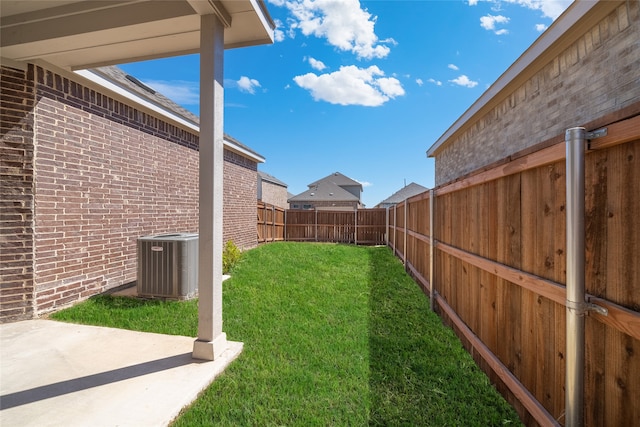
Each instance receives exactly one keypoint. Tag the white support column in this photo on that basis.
(211, 342)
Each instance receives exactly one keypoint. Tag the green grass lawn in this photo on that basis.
(334, 335)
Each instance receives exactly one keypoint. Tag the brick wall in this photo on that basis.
(241, 193)
(16, 194)
(595, 76)
(274, 194)
(106, 174)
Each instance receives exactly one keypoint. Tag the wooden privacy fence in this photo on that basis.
(270, 223)
(490, 249)
(361, 226)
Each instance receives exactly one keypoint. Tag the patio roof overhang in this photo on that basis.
(74, 34)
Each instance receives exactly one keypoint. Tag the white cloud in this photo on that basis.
(435, 82)
(343, 23)
(352, 86)
(502, 32)
(245, 84)
(541, 27)
(464, 81)
(489, 22)
(549, 8)
(315, 64)
(278, 34)
(179, 91)
(453, 67)
(419, 82)
(364, 183)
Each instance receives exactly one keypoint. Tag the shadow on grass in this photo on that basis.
(145, 315)
(419, 371)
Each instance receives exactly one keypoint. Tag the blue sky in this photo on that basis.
(360, 87)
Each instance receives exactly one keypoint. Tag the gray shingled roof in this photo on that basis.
(270, 178)
(338, 179)
(404, 193)
(119, 77)
(324, 191)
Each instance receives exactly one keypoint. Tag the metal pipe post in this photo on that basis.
(575, 139)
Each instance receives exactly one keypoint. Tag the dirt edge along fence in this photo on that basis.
(490, 251)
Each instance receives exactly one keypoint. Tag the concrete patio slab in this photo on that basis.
(54, 374)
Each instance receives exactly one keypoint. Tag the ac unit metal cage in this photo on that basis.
(168, 266)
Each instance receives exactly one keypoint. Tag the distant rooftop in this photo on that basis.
(403, 194)
(270, 178)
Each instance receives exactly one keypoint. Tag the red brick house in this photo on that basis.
(90, 162)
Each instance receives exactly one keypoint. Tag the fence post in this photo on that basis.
(431, 248)
(316, 227)
(575, 139)
(404, 251)
(284, 230)
(395, 229)
(355, 222)
(386, 236)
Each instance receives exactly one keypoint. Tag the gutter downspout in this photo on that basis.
(577, 306)
(575, 139)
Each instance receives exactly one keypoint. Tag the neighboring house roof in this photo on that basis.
(115, 79)
(330, 188)
(324, 191)
(338, 179)
(403, 194)
(270, 178)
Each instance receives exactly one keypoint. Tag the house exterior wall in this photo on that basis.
(274, 194)
(240, 195)
(16, 194)
(595, 76)
(106, 173)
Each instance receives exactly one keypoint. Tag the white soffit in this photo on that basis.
(74, 34)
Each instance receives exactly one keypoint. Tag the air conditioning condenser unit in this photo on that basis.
(168, 266)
